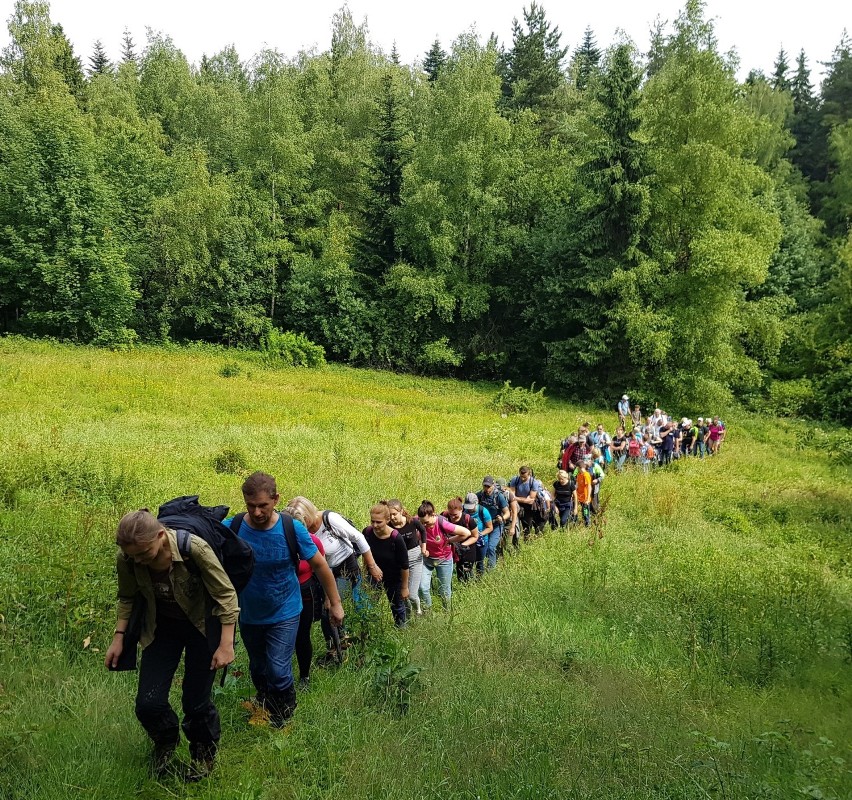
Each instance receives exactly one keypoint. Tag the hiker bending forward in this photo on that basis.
(190, 612)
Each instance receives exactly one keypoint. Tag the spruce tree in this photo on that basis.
(585, 63)
(99, 63)
(600, 242)
(377, 248)
(780, 72)
(67, 62)
(128, 48)
(535, 61)
(435, 60)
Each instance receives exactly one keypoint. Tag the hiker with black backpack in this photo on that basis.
(494, 499)
(271, 601)
(179, 605)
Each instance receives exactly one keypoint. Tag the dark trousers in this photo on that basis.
(157, 669)
(304, 647)
(393, 592)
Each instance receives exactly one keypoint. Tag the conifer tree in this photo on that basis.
(128, 48)
(377, 248)
(534, 64)
(584, 64)
(99, 63)
(780, 72)
(435, 60)
(67, 62)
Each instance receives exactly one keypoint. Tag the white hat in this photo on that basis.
(624, 397)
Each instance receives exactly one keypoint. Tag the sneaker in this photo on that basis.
(305, 684)
(161, 760)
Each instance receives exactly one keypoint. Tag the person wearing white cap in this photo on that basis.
(623, 409)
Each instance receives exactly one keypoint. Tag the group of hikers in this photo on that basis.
(190, 575)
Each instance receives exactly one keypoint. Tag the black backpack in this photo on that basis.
(186, 516)
(289, 534)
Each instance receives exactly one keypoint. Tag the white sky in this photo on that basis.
(757, 29)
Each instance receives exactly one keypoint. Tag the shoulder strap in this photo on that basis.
(290, 537)
(237, 521)
(184, 543)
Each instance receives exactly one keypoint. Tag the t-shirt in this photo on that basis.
(525, 488)
(584, 487)
(716, 432)
(562, 492)
(272, 594)
(437, 545)
(391, 555)
(305, 569)
(413, 533)
(340, 539)
(624, 408)
(617, 441)
(495, 503)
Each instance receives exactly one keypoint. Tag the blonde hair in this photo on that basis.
(381, 508)
(137, 527)
(563, 474)
(596, 452)
(305, 511)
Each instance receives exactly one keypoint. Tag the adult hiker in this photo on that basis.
(440, 536)
(619, 448)
(185, 606)
(391, 555)
(623, 410)
(271, 602)
(494, 499)
(343, 544)
(527, 487)
(482, 517)
(465, 550)
(414, 535)
(563, 496)
(313, 600)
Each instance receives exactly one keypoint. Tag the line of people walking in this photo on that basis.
(176, 588)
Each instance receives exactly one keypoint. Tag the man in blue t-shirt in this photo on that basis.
(271, 602)
(527, 488)
(497, 505)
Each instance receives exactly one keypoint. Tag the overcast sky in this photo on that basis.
(755, 28)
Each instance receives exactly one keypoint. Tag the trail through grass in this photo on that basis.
(700, 649)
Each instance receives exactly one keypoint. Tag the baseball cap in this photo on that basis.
(488, 480)
(624, 397)
(470, 501)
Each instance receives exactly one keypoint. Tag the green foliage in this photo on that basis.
(720, 592)
(231, 461)
(284, 348)
(790, 398)
(497, 213)
(518, 400)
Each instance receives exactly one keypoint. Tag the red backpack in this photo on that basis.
(634, 447)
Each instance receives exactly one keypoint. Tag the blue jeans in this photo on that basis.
(270, 651)
(493, 541)
(481, 552)
(620, 459)
(564, 513)
(444, 570)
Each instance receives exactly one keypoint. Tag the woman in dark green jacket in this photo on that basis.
(189, 612)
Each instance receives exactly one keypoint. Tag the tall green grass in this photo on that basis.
(700, 649)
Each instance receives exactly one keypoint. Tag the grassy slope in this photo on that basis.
(700, 649)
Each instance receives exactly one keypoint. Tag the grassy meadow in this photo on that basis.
(700, 649)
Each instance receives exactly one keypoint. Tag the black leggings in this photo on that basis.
(304, 647)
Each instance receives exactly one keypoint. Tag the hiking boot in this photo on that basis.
(281, 706)
(202, 761)
(305, 684)
(161, 760)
